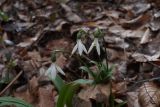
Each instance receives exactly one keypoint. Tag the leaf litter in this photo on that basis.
(35, 28)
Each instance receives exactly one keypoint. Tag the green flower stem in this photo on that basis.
(106, 54)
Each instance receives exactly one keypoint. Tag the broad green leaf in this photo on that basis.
(62, 96)
(66, 95)
(94, 62)
(88, 71)
(83, 81)
(70, 93)
(4, 101)
(58, 82)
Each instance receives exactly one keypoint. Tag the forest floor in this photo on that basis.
(30, 30)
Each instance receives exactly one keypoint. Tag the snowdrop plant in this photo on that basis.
(97, 34)
(101, 75)
(79, 45)
(54, 68)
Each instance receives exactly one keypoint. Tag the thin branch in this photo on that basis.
(17, 76)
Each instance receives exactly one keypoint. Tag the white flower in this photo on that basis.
(52, 71)
(95, 43)
(80, 47)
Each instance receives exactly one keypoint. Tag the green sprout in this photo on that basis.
(3, 16)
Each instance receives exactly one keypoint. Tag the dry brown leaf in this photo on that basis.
(24, 94)
(156, 2)
(137, 22)
(70, 15)
(61, 61)
(63, 43)
(36, 95)
(27, 42)
(139, 57)
(77, 102)
(132, 33)
(149, 95)
(99, 93)
(114, 54)
(155, 24)
(29, 93)
(46, 96)
(145, 37)
(132, 99)
(119, 88)
(33, 86)
(112, 13)
(34, 55)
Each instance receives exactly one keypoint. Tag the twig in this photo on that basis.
(142, 81)
(17, 76)
(147, 80)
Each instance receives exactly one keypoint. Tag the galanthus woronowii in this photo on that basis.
(97, 34)
(79, 45)
(54, 68)
(96, 44)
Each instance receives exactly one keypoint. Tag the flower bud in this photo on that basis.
(80, 34)
(98, 33)
(53, 57)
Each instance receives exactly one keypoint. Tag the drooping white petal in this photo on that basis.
(80, 47)
(51, 72)
(53, 75)
(84, 48)
(91, 47)
(97, 46)
(74, 49)
(60, 70)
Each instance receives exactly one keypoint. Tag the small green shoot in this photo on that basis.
(10, 65)
(3, 16)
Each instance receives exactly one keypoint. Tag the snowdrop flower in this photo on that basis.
(79, 45)
(54, 68)
(95, 43)
(97, 34)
